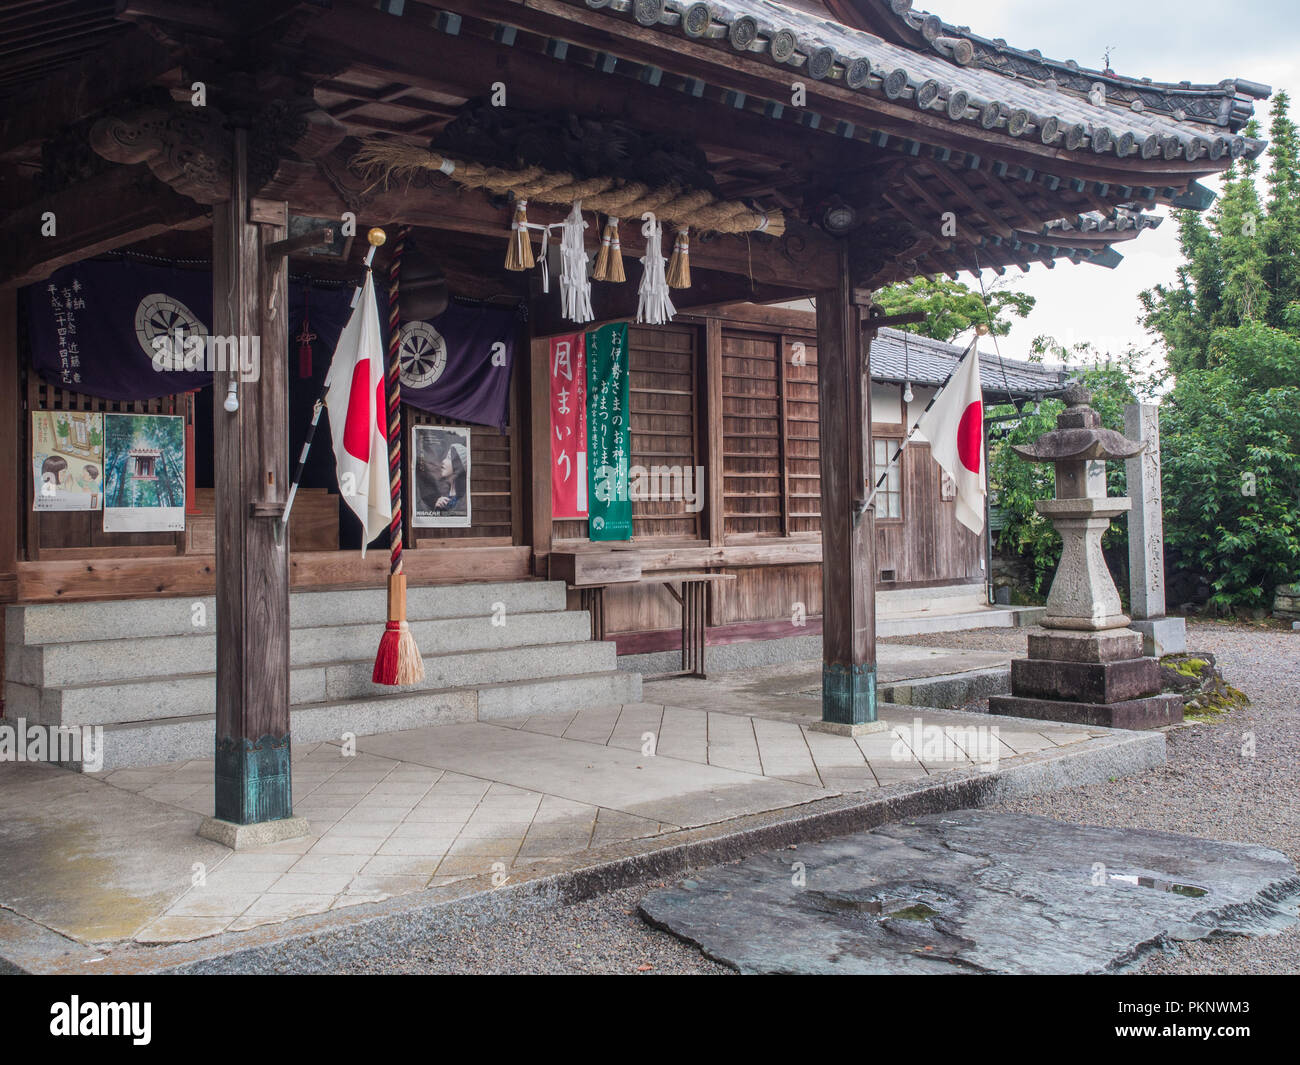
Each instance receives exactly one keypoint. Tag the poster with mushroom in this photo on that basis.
(67, 460)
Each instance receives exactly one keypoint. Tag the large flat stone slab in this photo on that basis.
(975, 891)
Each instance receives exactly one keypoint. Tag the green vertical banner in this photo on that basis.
(608, 438)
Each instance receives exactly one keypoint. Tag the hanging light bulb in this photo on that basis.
(232, 396)
(907, 393)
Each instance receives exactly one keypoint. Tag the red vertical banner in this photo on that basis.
(569, 426)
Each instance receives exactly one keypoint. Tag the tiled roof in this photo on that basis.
(898, 356)
(972, 80)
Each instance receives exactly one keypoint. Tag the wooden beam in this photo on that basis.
(797, 260)
(194, 575)
(721, 65)
(113, 70)
(370, 40)
(962, 191)
(848, 530)
(118, 207)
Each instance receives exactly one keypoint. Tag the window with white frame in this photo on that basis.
(889, 497)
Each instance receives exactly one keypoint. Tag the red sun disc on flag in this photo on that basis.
(970, 436)
(356, 429)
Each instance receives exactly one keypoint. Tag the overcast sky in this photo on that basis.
(1191, 40)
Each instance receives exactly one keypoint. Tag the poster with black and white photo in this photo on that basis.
(440, 490)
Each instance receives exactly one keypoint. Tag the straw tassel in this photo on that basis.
(398, 660)
(655, 306)
(609, 262)
(575, 286)
(519, 256)
(679, 268)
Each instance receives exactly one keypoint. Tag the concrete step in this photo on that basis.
(986, 617)
(143, 743)
(49, 623)
(155, 698)
(370, 605)
(946, 600)
(55, 664)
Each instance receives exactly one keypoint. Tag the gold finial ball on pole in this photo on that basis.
(982, 329)
(376, 237)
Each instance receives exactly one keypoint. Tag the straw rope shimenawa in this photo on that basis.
(698, 210)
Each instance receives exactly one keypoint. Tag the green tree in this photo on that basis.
(1230, 327)
(1230, 464)
(951, 308)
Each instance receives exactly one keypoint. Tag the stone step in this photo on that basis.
(144, 743)
(156, 698)
(50, 623)
(551, 695)
(93, 661)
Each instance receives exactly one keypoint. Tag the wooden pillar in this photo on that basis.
(15, 469)
(539, 453)
(250, 300)
(848, 529)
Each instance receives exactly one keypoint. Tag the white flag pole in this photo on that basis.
(376, 237)
(880, 483)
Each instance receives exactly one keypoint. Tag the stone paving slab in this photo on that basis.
(568, 853)
(111, 858)
(973, 891)
(663, 789)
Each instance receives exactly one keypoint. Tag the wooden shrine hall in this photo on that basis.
(793, 156)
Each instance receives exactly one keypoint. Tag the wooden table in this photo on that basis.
(694, 602)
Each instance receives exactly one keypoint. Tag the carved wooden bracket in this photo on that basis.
(191, 148)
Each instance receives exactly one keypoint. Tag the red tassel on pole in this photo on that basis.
(398, 660)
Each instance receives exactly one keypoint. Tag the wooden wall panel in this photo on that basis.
(802, 446)
(664, 386)
(751, 434)
(490, 483)
(768, 593)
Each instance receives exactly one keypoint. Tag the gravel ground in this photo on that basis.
(601, 935)
(1208, 788)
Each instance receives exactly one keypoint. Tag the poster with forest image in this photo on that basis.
(144, 473)
(67, 460)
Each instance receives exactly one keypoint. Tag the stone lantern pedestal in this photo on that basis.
(1089, 667)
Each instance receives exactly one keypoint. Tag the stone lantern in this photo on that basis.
(1089, 666)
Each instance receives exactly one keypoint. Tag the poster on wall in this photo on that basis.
(440, 493)
(569, 426)
(67, 460)
(144, 473)
(608, 436)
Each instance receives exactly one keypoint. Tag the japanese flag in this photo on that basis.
(354, 396)
(955, 428)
